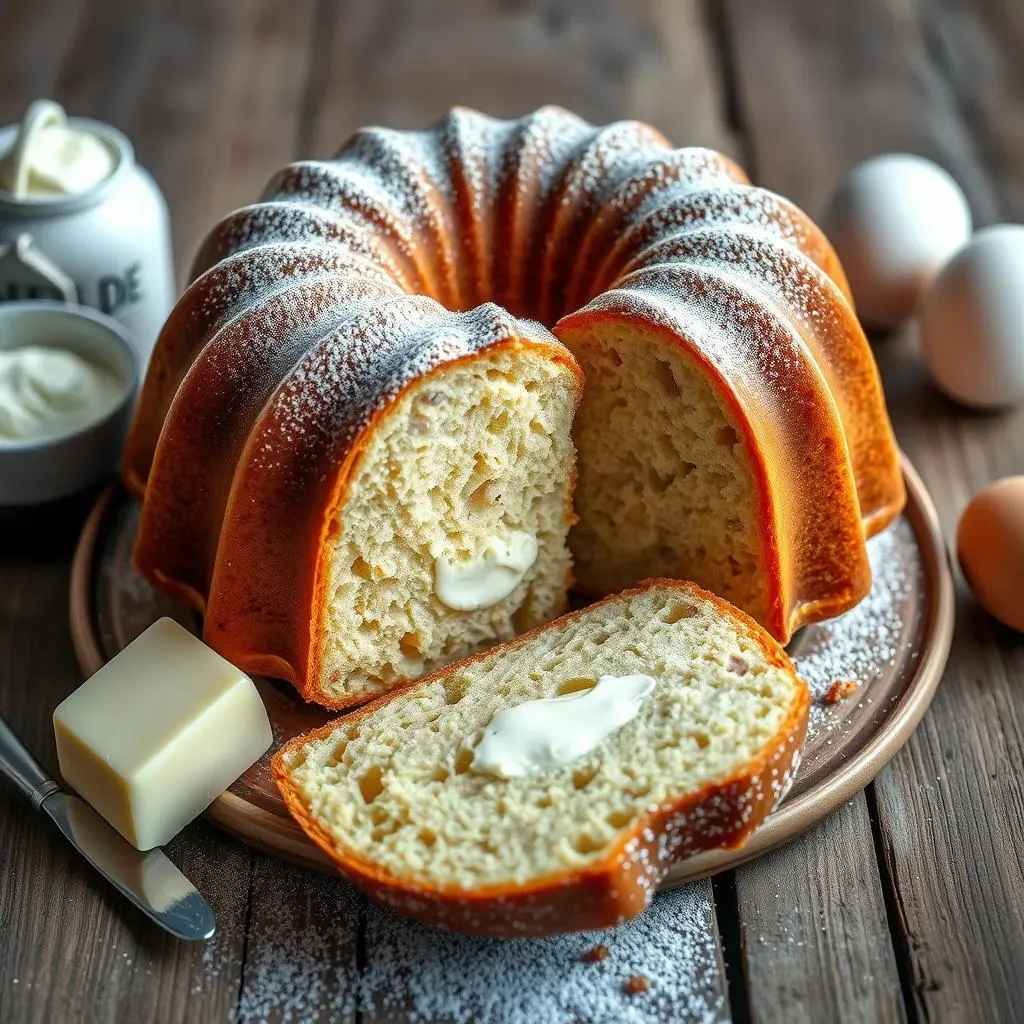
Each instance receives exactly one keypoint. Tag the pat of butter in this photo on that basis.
(542, 735)
(159, 732)
(489, 577)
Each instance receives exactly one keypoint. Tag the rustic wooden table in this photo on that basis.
(908, 904)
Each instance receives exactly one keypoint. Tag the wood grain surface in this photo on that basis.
(905, 905)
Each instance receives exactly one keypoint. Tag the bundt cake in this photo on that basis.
(548, 784)
(366, 382)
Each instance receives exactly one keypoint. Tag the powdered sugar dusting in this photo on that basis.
(301, 959)
(411, 206)
(421, 974)
(472, 144)
(539, 147)
(609, 154)
(678, 207)
(301, 964)
(679, 171)
(869, 639)
(752, 343)
(337, 388)
(254, 227)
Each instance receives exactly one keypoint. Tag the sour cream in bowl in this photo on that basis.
(68, 378)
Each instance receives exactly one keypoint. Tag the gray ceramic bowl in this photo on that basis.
(36, 471)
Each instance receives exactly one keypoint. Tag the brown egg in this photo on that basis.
(990, 545)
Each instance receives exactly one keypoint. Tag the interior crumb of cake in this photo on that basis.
(472, 453)
(394, 787)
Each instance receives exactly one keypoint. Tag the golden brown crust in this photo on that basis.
(213, 299)
(227, 385)
(620, 885)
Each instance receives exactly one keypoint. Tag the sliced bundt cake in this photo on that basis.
(732, 430)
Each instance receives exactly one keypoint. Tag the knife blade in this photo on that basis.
(149, 880)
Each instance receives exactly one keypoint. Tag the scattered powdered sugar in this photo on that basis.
(302, 964)
(301, 960)
(610, 154)
(539, 147)
(421, 974)
(868, 639)
(680, 207)
(684, 170)
(766, 266)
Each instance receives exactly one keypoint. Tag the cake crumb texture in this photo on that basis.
(390, 794)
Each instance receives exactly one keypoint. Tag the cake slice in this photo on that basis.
(372, 504)
(678, 730)
(724, 439)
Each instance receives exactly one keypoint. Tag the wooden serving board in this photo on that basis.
(894, 644)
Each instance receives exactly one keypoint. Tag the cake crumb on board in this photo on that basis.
(636, 985)
(840, 690)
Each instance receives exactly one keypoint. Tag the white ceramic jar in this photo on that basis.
(104, 243)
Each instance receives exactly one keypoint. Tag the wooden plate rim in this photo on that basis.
(262, 829)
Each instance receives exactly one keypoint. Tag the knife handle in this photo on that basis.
(22, 768)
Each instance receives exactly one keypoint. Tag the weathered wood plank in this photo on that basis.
(814, 910)
(822, 86)
(976, 47)
(32, 48)
(209, 93)
(404, 65)
(301, 961)
(865, 78)
(969, 795)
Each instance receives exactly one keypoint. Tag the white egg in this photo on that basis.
(894, 221)
(972, 320)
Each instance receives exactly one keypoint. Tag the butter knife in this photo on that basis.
(148, 879)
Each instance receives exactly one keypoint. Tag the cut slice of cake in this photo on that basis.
(548, 784)
(724, 441)
(422, 518)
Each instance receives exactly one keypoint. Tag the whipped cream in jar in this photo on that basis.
(80, 221)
